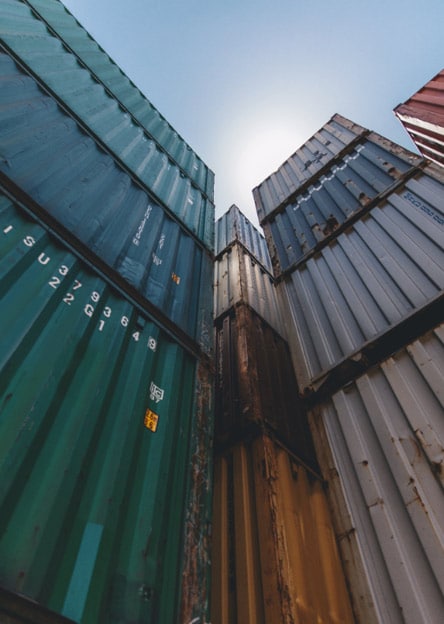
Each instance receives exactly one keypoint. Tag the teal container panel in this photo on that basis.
(96, 421)
(100, 113)
(71, 32)
(48, 157)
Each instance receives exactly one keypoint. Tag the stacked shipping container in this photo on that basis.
(381, 440)
(422, 115)
(274, 553)
(354, 224)
(105, 274)
(71, 181)
(275, 557)
(82, 79)
(243, 270)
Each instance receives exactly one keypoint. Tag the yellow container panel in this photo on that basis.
(275, 558)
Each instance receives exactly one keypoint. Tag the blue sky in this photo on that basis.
(247, 82)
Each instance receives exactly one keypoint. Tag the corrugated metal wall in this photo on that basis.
(73, 86)
(343, 193)
(238, 278)
(48, 156)
(87, 51)
(16, 609)
(273, 546)
(274, 552)
(97, 433)
(379, 272)
(242, 270)
(380, 442)
(357, 250)
(234, 226)
(106, 388)
(256, 386)
(329, 143)
(422, 115)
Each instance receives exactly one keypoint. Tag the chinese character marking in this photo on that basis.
(150, 421)
(156, 393)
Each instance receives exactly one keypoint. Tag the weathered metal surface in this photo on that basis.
(238, 278)
(98, 440)
(337, 135)
(196, 571)
(343, 193)
(380, 443)
(48, 157)
(98, 112)
(73, 35)
(370, 278)
(234, 226)
(422, 115)
(275, 559)
(17, 609)
(256, 387)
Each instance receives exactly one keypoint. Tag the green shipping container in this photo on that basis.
(63, 176)
(104, 443)
(76, 38)
(78, 83)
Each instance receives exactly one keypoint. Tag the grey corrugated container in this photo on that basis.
(65, 177)
(77, 90)
(347, 187)
(332, 201)
(240, 279)
(380, 445)
(378, 273)
(234, 226)
(329, 143)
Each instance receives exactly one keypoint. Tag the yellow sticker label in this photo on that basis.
(150, 421)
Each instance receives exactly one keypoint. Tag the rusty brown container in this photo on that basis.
(256, 386)
(422, 115)
(275, 559)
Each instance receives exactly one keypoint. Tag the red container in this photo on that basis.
(422, 115)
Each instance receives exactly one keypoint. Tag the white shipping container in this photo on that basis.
(380, 445)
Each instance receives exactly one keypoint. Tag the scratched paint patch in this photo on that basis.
(151, 420)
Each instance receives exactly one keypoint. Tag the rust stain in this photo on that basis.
(379, 501)
(437, 467)
(195, 583)
(330, 225)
